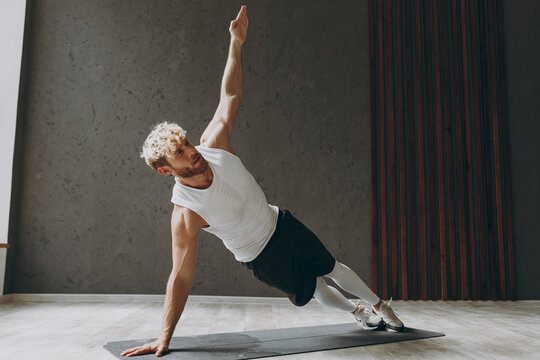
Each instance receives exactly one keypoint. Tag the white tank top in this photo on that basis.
(234, 205)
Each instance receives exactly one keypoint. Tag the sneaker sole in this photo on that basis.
(391, 328)
(370, 327)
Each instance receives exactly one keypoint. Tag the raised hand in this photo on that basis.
(238, 28)
(158, 347)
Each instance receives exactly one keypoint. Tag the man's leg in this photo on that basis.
(329, 296)
(350, 282)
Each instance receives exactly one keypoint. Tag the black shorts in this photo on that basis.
(292, 260)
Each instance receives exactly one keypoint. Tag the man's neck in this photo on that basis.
(201, 181)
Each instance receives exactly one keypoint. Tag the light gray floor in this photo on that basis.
(77, 329)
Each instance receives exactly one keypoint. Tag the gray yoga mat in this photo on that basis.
(275, 342)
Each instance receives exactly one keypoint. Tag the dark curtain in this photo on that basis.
(441, 209)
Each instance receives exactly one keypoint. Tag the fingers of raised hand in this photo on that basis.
(238, 24)
(242, 13)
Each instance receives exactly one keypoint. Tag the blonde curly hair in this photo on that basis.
(162, 143)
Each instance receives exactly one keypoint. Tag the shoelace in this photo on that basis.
(366, 311)
(388, 310)
(363, 310)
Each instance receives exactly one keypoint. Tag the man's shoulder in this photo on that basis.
(183, 214)
(184, 217)
(215, 148)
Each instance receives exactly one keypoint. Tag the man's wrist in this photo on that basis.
(165, 339)
(236, 41)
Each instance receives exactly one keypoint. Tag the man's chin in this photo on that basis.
(194, 171)
(202, 165)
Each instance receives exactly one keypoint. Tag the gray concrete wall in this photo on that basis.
(522, 35)
(92, 218)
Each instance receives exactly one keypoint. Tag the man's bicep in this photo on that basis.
(185, 237)
(221, 127)
(216, 133)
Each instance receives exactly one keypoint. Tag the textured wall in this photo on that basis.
(92, 218)
(522, 31)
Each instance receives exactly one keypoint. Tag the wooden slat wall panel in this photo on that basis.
(421, 153)
(408, 48)
(440, 155)
(401, 151)
(382, 156)
(441, 207)
(471, 183)
(391, 205)
(505, 163)
(374, 162)
(448, 151)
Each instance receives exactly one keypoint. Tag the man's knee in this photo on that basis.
(339, 268)
(321, 288)
(320, 285)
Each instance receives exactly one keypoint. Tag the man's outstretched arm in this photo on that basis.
(220, 128)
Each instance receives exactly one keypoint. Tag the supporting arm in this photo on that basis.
(185, 232)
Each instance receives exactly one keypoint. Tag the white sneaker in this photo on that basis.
(389, 317)
(366, 318)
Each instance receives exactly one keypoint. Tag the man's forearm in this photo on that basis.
(175, 301)
(233, 77)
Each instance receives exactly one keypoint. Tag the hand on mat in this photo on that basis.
(158, 347)
(238, 28)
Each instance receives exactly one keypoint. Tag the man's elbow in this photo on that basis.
(232, 95)
(180, 280)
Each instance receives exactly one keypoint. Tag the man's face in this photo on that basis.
(187, 162)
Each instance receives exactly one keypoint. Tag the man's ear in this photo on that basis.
(164, 170)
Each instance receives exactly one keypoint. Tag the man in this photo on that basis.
(214, 192)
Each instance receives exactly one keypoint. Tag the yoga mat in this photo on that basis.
(275, 342)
